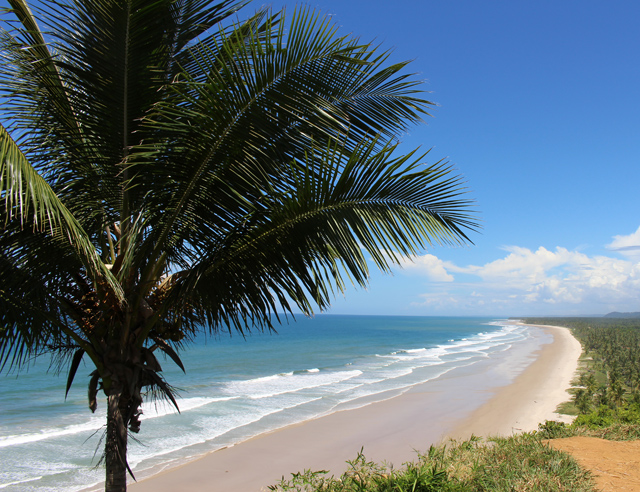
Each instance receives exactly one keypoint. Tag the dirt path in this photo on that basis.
(615, 464)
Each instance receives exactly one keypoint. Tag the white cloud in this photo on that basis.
(521, 265)
(543, 281)
(569, 277)
(429, 265)
(438, 300)
(627, 245)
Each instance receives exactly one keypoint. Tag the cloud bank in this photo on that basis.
(544, 281)
(628, 246)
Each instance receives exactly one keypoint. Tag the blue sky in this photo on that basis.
(539, 110)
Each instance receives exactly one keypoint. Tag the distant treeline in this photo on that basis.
(612, 349)
(616, 314)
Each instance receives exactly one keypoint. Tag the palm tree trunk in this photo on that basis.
(116, 446)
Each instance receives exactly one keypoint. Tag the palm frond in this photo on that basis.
(197, 17)
(36, 52)
(29, 198)
(73, 368)
(266, 99)
(297, 245)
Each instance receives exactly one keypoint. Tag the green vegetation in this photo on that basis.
(168, 169)
(524, 462)
(519, 463)
(622, 424)
(609, 369)
(605, 399)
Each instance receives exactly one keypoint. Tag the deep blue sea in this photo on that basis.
(234, 388)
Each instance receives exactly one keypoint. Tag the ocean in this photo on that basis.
(235, 388)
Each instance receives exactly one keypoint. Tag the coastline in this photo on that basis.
(533, 396)
(455, 405)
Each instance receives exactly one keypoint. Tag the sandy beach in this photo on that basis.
(456, 405)
(533, 396)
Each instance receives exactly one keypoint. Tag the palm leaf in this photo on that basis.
(42, 60)
(93, 391)
(195, 18)
(75, 363)
(156, 380)
(298, 245)
(29, 198)
(276, 93)
(166, 348)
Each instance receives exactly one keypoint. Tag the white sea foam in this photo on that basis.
(3, 485)
(160, 408)
(269, 386)
(150, 410)
(211, 428)
(91, 425)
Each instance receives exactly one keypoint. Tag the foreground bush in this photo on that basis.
(615, 424)
(518, 463)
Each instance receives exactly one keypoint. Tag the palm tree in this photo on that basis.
(167, 169)
(616, 389)
(582, 400)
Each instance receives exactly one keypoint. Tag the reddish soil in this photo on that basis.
(615, 465)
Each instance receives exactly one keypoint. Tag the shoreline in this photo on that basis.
(392, 430)
(533, 396)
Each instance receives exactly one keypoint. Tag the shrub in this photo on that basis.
(552, 429)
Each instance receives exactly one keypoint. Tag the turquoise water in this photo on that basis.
(235, 388)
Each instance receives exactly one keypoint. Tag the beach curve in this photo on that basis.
(392, 430)
(533, 396)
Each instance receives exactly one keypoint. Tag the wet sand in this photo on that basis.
(483, 399)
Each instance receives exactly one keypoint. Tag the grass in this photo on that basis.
(567, 408)
(519, 463)
(523, 463)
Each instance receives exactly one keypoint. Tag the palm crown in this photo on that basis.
(166, 169)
